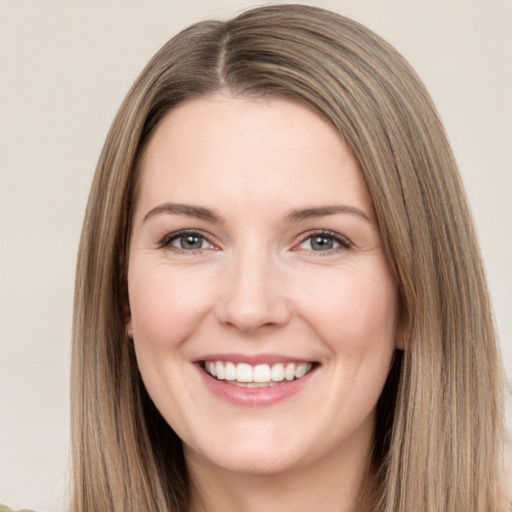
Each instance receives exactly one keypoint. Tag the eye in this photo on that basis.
(323, 241)
(192, 242)
(186, 241)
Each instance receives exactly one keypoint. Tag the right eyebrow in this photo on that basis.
(183, 209)
(323, 211)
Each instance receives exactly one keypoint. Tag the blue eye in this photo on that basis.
(190, 242)
(186, 241)
(324, 241)
(321, 243)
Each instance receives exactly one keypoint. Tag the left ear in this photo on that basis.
(400, 338)
(129, 328)
(127, 317)
(125, 300)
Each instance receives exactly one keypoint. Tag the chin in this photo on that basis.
(251, 461)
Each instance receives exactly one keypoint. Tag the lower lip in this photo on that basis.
(253, 397)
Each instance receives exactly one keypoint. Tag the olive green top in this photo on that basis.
(4, 508)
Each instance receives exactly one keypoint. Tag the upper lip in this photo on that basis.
(252, 359)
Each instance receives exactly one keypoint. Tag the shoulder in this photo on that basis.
(4, 508)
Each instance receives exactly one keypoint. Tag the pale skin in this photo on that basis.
(254, 234)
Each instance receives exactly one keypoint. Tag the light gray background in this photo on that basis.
(64, 69)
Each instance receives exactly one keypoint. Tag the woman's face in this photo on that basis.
(263, 309)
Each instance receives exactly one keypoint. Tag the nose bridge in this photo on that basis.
(252, 294)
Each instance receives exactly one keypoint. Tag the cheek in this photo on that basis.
(357, 321)
(353, 311)
(165, 306)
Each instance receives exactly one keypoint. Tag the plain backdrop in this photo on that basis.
(64, 68)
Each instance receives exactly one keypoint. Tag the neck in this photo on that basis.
(332, 484)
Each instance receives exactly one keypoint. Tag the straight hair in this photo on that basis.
(438, 429)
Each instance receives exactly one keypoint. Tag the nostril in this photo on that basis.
(252, 298)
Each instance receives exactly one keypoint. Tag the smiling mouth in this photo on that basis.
(256, 376)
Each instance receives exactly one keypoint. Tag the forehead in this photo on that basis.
(221, 148)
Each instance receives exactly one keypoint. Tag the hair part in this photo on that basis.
(439, 425)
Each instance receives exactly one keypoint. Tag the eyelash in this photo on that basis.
(344, 243)
(171, 237)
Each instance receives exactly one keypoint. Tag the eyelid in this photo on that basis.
(344, 242)
(165, 242)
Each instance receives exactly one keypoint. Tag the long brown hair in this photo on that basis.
(438, 430)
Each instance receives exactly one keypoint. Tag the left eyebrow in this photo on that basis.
(322, 211)
(183, 209)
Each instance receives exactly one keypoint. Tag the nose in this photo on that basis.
(252, 297)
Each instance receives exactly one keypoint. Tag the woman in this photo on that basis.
(280, 302)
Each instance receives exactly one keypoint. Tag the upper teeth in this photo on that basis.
(243, 372)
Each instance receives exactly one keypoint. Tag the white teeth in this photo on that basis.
(302, 369)
(219, 370)
(253, 384)
(289, 371)
(243, 372)
(210, 368)
(261, 375)
(278, 372)
(230, 371)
